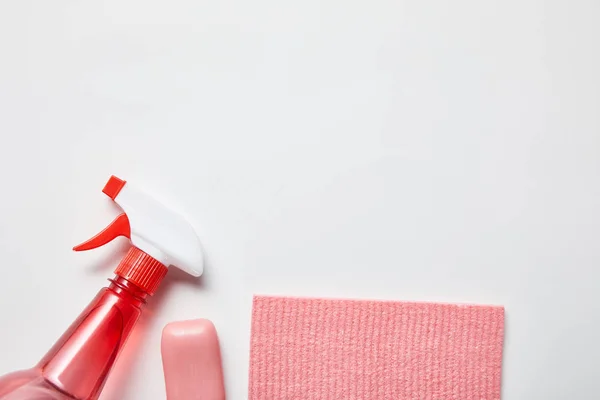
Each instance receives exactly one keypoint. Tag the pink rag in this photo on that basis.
(317, 349)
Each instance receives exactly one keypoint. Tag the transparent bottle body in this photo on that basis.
(78, 364)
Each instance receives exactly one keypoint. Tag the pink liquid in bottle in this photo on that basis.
(77, 366)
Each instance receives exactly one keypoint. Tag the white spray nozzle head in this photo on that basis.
(152, 228)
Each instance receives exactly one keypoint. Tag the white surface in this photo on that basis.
(161, 231)
(393, 149)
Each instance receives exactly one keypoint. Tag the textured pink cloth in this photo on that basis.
(315, 349)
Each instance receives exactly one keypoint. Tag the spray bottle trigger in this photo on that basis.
(119, 227)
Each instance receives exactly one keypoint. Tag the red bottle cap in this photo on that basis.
(142, 270)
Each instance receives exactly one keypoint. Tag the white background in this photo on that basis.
(389, 149)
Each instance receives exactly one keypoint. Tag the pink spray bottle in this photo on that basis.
(77, 366)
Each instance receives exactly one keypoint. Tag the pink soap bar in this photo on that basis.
(309, 349)
(192, 361)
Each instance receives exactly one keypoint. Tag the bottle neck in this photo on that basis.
(128, 290)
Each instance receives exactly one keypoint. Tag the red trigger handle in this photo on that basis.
(119, 227)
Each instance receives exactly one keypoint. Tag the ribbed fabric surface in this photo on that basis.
(316, 349)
